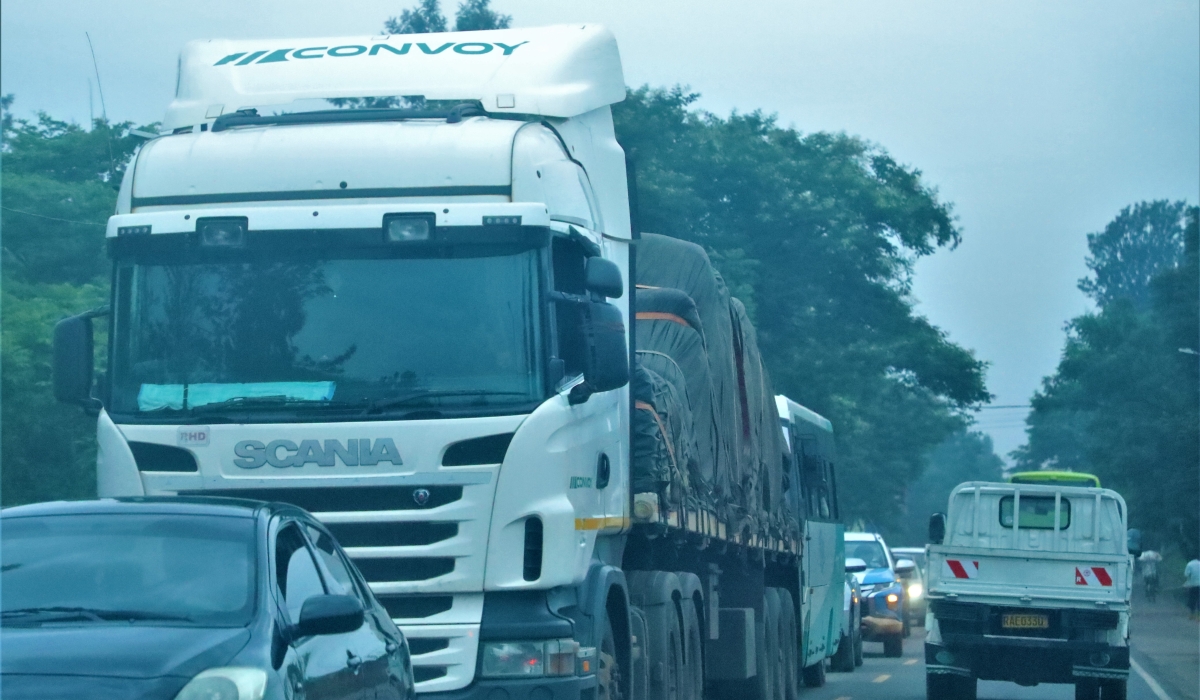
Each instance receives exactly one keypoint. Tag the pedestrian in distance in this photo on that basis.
(1150, 560)
(1191, 584)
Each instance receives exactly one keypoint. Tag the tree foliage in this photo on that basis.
(817, 234)
(427, 17)
(60, 185)
(1133, 248)
(1124, 402)
(965, 456)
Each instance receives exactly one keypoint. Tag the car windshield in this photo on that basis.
(870, 552)
(128, 568)
(316, 329)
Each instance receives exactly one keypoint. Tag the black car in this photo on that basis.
(186, 599)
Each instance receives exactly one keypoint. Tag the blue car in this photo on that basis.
(189, 599)
(883, 599)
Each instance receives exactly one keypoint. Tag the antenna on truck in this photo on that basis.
(112, 162)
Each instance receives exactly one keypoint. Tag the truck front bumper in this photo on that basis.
(570, 688)
(1026, 661)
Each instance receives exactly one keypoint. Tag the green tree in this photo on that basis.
(965, 456)
(425, 18)
(60, 185)
(1124, 402)
(1133, 248)
(817, 234)
(474, 15)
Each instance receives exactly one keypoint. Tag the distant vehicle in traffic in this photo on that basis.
(189, 598)
(914, 584)
(1029, 584)
(883, 604)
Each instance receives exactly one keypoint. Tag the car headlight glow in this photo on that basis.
(892, 601)
(229, 683)
(915, 590)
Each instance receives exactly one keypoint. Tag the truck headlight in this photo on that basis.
(893, 600)
(915, 591)
(529, 659)
(229, 683)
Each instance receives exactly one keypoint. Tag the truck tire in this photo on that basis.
(789, 639)
(843, 660)
(858, 642)
(770, 660)
(893, 647)
(1087, 689)
(608, 671)
(1113, 689)
(656, 594)
(945, 686)
(639, 673)
(693, 648)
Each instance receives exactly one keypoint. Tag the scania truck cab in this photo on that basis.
(411, 314)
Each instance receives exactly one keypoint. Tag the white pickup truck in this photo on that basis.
(1042, 597)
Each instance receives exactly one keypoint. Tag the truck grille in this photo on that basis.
(347, 498)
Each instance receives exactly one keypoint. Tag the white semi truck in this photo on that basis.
(1029, 583)
(419, 321)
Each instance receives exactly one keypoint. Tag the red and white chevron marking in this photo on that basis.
(1092, 576)
(960, 568)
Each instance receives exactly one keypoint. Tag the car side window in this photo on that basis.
(327, 551)
(296, 574)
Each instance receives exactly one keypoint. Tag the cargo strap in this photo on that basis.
(661, 316)
(643, 406)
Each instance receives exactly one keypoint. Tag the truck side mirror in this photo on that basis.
(854, 566)
(603, 277)
(904, 567)
(606, 359)
(937, 528)
(72, 370)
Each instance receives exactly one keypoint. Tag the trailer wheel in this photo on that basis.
(693, 657)
(788, 641)
(1113, 689)
(770, 660)
(893, 647)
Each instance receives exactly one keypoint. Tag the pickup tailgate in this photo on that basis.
(1024, 578)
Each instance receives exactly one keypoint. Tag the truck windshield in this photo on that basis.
(870, 552)
(367, 332)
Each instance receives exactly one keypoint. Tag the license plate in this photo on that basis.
(1025, 622)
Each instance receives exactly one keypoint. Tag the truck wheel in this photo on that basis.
(1113, 689)
(814, 676)
(656, 594)
(843, 660)
(1087, 690)
(693, 656)
(770, 660)
(944, 686)
(788, 637)
(858, 642)
(893, 647)
(608, 672)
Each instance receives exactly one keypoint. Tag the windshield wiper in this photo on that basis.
(275, 401)
(63, 612)
(391, 402)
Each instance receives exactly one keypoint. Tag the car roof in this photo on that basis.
(863, 537)
(909, 549)
(164, 505)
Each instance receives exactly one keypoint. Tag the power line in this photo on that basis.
(51, 218)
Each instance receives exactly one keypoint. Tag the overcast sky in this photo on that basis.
(1038, 119)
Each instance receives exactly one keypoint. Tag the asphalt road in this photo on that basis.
(881, 678)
